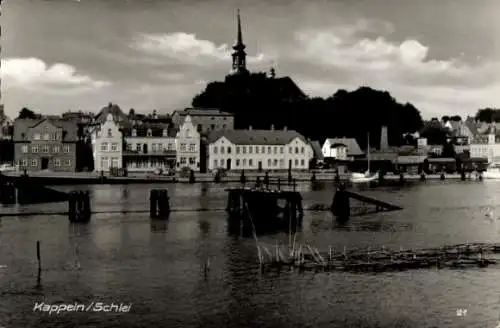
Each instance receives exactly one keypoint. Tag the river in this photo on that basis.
(125, 258)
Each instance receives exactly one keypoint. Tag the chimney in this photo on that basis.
(272, 127)
(250, 128)
(384, 142)
(285, 128)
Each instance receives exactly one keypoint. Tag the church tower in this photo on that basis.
(239, 55)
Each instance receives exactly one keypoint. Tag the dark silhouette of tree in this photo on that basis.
(434, 132)
(260, 102)
(487, 115)
(448, 150)
(445, 118)
(131, 113)
(27, 113)
(456, 118)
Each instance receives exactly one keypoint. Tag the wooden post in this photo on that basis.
(163, 204)
(153, 203)
(462, 175)
(341, 204)
(72, 206)
(401, 178)
(337, 177)
(313, 177)
(266, 179)
(442, 177)
(242, 177)
(422, 176)
(191, 177)
(86, 208)
(217, 177)
(279, 183)
(38, 257)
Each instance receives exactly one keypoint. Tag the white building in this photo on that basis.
(487, 148)
(188, 146)
(341, 148)
(258, 150)
(149, 146)
(107, 145)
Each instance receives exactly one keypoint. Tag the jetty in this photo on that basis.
(23, 191)
(341, 205)
(264, 207)
(306, 257)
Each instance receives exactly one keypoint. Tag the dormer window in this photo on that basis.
(64, 133)
(165, 132)
(134, 133)
(150, 133)
(110, 133)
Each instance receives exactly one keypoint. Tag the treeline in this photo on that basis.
(260, 102)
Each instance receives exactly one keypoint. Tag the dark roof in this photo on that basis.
(21, 126)
(202, 112)
(256, 137)
(335, 145)
(118, 114)
(142, 130)
(285, 85)
(351, 144)
(318, 154)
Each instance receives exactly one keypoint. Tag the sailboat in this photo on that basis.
(364, 177)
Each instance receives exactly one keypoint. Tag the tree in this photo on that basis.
(456, 118)
(434, 132)
(448, 150)
(260, 102)
(27, 113)
(487, 115)
(445, 118)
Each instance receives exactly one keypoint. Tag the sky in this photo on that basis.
(58, 55)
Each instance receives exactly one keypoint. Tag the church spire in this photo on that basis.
(239, 55)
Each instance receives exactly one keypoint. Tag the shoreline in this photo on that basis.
(78, 178)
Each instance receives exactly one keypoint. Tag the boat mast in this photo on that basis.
(368, 151)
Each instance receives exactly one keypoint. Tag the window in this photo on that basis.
(170, 146)
(302, 162)
(24, 162)
(290, 150)
(68, 162)
(183, 147)
(129, 146)
(215, 149)
(199, 128)
(192, 160)
(115, 162)
(302, 150)
(57, 162)
(250, 149)
(296, 150)
(257, 149)
(24, 148)
(183, 160)
(223, 126)
(34, 162)
(250, 162)
(216, 162)
(45, 148)
(46, 136)
(57, 149)
(282, 163)
(138, 147)
(229, 150)
(212, 127)
(275, 150)
(269, 162)
(134, 133)
(222, 150)
(237, 150)
(244, 161)
(110, 133)
(275, 162)
(153, 147)
(165, 133)
(244, 149)
(149, 133)
(263, 150)
(192, 147)
(114, 146)
(282, 150)
(237, 162)
(104, 146)
(104, 163)
(296, 162)
(36, 136)
(34, 149)
(66, 149)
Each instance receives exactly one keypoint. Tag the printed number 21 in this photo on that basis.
(461, 312)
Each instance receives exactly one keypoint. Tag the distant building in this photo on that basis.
(205, 119)
(118, 115)
(188, 146)
(259, 150)
(487, 147)
(45, 144)
(107, 144)
(149, 146)
(341, 148)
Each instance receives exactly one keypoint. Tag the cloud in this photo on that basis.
(403, 68)
(187, 48)
(35, 74)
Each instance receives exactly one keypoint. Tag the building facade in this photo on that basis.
(188, 146)
(45, 144)
(107, 145)
(488, 148)
(259, 150)
(205, 120)
(344, 148)
(149, 147)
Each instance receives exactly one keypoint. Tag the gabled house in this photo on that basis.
(341, 148)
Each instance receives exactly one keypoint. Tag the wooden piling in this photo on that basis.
(163, 204)
(313, 177)
(192, 179)
(341, 207)
(442, 177)
(242, 177)
(462, 175)
(217, 177)
(153, 203)
(422, 176)
(38, 257)
(337, 177)
(266, 179)
(401, 178)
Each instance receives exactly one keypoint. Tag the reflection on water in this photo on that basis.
(161, 265)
